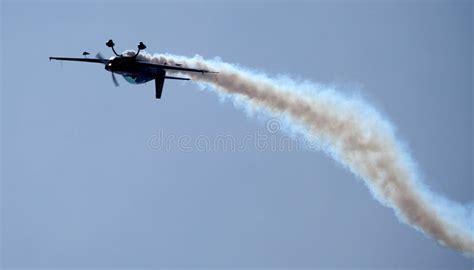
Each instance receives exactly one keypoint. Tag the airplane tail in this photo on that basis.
(159, 82)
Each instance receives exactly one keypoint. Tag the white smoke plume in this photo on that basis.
(353, 133)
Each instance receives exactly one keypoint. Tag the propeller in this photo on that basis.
(114, 79)
(100, 56)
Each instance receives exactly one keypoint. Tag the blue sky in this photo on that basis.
(81, 186)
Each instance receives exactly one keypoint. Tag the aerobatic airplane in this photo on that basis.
(133, 70)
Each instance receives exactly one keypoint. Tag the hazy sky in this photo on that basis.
(83, 184)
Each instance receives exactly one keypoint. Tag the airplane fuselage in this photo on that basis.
(131, 71)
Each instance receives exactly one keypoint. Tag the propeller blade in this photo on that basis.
(100, 56)
(114, 79)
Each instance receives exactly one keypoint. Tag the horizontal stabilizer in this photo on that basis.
(177, 78)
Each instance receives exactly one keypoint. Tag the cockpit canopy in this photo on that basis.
(130, 79)
(134, 79)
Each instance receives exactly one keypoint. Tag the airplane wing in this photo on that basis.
(177, 68)
(89, 60)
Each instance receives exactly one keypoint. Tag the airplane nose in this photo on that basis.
(108, 66)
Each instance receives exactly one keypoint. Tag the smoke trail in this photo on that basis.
(355, 135)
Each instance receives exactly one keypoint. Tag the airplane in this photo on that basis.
(135, 71)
